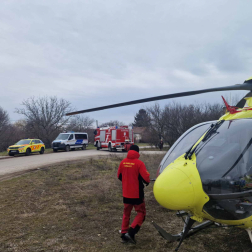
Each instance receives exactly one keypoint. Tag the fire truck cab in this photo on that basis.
(114, 138)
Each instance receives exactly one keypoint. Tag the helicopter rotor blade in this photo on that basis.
(244, 86)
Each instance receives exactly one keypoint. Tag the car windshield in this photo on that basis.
(62, 137)
(23, 142)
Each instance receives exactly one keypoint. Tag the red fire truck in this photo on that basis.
(114, 138)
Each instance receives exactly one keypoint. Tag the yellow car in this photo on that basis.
(26, 146)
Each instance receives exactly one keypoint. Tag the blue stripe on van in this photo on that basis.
(79, 141)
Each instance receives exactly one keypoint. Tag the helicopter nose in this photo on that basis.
(174, 190)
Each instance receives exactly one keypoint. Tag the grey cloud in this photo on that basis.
(85, 51)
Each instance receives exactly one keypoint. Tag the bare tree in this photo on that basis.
(157, 123)
(4, 121)
(174, 119)
(19, 130)
(13, 133)
(9, 133)
(45, 116)
(82, 124)
(4, 129)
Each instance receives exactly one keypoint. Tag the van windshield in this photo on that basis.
(62, 137)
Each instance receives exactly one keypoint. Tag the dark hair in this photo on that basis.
(134, 147)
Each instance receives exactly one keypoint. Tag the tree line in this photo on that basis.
(45, 118)
(171, 121)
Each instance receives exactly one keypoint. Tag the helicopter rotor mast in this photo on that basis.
(247, 85)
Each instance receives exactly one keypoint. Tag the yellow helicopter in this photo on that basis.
(207, 173)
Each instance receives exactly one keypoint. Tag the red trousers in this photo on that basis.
(139, 219)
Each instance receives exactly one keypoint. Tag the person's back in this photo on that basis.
(132, 172)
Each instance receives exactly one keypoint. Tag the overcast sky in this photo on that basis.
(95, 53)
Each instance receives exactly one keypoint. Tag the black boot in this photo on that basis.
(131, 235)
(124, 238)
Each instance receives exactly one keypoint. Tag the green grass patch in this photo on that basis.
(142, 144)
(4, 153)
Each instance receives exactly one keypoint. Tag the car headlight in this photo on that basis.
(21, 147)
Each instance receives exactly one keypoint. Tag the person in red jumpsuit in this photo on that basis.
(133, 173)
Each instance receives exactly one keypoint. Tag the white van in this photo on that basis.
(70, 140)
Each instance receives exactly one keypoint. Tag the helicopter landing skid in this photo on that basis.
(165, 235)
(192, 231)
(250, 234)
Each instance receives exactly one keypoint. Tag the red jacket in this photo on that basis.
(133, 173)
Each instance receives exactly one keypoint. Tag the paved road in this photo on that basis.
(19, 164)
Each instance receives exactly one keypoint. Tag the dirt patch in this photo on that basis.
(77, 206)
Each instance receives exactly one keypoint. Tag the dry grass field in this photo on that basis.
(77, 206)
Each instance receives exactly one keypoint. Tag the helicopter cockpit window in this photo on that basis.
(182, 145)
(224, 162)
